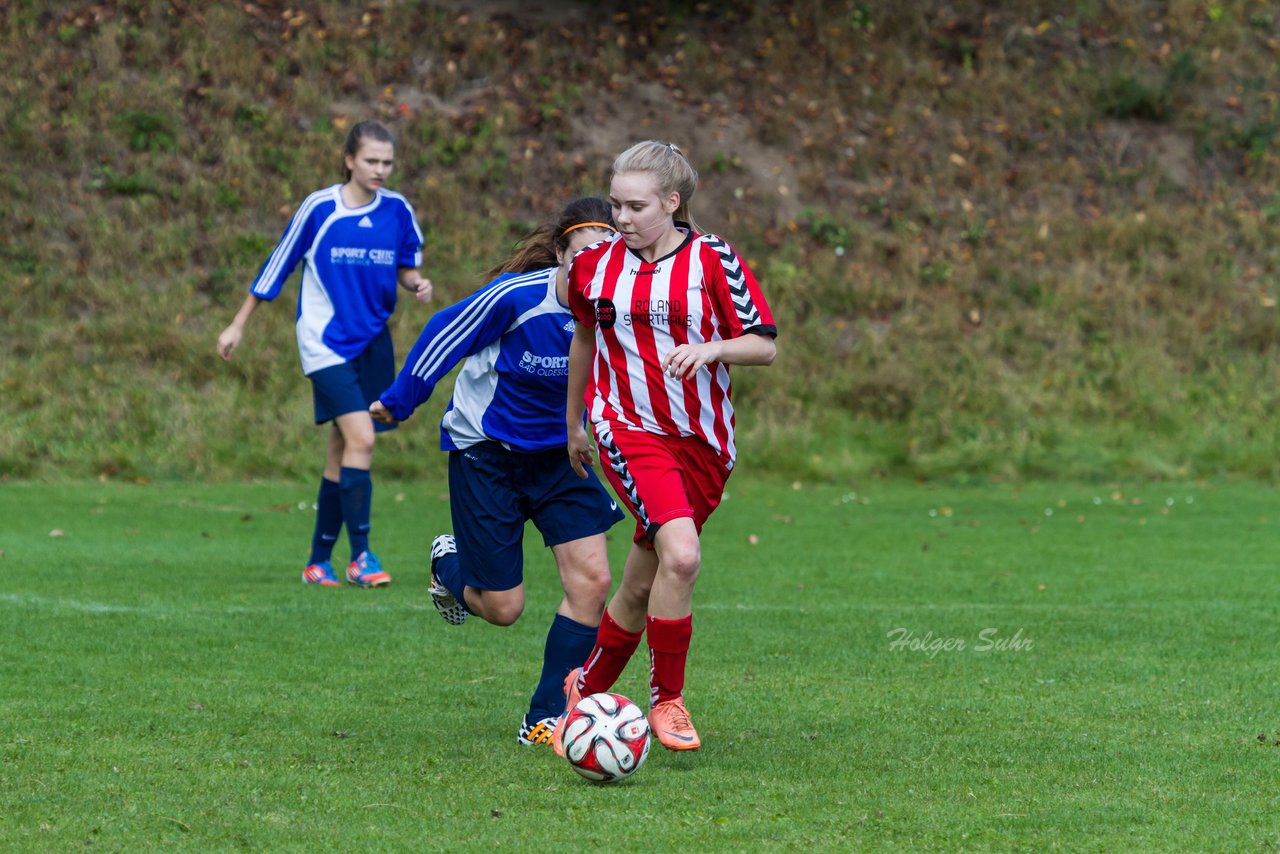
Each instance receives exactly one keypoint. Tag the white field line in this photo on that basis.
(159, 611)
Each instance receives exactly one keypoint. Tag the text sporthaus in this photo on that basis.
(657, 312)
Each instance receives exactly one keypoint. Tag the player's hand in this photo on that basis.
(380, 413)
(422, 293)
(685, 359)
(228, 341)
(581, 456)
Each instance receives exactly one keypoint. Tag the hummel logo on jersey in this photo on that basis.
(365, 222)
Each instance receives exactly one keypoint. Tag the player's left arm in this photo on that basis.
(409, 256)
(749, 349)
(581, 354)
(415, 283)
(744, 315)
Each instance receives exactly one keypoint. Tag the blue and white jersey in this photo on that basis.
(352, 260)
(514, 334)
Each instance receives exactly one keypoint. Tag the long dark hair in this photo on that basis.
(368, 129)
(538, 249)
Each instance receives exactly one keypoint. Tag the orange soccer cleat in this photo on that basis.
(670, 722)
(571, 697)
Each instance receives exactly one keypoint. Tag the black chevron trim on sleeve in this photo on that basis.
(742, 301)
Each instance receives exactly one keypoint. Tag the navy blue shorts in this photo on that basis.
(352, 386)
(493, 492)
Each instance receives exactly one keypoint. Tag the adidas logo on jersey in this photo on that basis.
(365, 222)
(568, 327)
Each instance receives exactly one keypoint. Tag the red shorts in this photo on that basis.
(661, 478)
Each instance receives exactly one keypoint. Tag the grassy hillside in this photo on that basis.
(998, 240)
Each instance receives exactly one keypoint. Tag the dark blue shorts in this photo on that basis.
(352, 386)
(493, 492)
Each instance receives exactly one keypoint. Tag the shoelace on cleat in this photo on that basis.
(678, 718)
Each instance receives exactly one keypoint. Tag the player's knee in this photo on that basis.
(504, 612)
(359, 442)
(596, 584)
(635, 594)
(682, 564)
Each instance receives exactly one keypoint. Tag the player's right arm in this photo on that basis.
(581, 352)
(450, 336)
(298, 235)
(229, 340)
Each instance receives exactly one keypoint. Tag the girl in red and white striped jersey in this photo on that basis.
(662, 313)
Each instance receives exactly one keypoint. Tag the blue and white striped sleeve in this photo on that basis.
(409, 253)
(293, 245)
(450, 336)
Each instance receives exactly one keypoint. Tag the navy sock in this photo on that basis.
(357, 498)
(328, 521)
(449, 570)
(568, 645)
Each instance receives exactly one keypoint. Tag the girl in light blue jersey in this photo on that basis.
(505, 433)
(357, 242)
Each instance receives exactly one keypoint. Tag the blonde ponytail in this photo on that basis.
(668, 165)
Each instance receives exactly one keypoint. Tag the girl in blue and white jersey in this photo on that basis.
(357, 242)
(505, 433)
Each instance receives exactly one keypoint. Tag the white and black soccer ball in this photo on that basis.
(606, 737)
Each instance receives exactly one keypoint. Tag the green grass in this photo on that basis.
(168, 684)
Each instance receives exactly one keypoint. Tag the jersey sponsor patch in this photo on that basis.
(658, 312)
(361, 256)
(545, 366)
(606, 313)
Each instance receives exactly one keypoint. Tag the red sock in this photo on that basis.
(668, 649)
(613, 649)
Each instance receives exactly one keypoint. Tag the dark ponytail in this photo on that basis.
(538, 250)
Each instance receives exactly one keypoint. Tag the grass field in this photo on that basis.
(1071, 667)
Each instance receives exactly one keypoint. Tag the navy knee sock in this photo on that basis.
(357, 498)
(568, 645)
(328, 521)
(449, 570)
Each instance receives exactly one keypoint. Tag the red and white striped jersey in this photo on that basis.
(641, 311)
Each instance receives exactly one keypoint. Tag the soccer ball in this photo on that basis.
(606, 737)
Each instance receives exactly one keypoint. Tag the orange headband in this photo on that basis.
(587, 225)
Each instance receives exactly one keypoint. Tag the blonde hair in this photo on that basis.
(668, 165)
